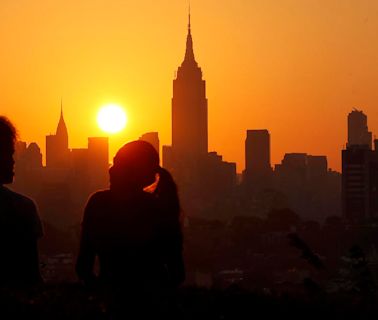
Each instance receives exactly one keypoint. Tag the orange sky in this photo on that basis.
(295, 67)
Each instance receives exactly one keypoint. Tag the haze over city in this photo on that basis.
(188, 159)
(296, 69)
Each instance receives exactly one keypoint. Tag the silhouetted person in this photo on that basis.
(135, 234)
(20, 226)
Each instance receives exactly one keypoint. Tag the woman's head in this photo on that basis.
(135, 166)
(7, 140)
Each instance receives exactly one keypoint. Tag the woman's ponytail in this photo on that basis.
(166, 192)
(167, 196)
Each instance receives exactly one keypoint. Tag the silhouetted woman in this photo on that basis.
(135, 234)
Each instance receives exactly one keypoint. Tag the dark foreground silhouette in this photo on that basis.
(20, 226)
(72, 301)
(135, 234)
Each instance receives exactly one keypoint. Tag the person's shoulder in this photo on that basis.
(95, 205)
(26, 210)
(99, 197)
(101, 194)
(20, 200)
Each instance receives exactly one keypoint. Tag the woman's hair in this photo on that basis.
(8, 134)
(135, 165)
(167, 193)
(139, 154)
(167, 196)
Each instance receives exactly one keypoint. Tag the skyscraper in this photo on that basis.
(57, 152)
(98, 162)
(257, 157)
(189, 106)
(28, 168)
(358, 133)
(359, 171)
(187, 156)
(201, 176)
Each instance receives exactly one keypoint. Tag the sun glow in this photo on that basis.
(111, 118)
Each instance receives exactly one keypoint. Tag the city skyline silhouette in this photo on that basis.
(270, 80)
(233, 169)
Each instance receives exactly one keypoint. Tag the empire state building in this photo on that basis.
(189, 107)
(200, 174)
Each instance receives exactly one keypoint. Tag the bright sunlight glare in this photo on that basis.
(111, 118)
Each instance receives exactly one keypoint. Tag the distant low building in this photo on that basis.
(313, 190)
(63, 186)
(258, 170)
(153, 138)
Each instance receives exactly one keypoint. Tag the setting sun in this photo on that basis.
(111, 118)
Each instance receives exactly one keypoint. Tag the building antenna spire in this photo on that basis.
(189, 18)
(189, 54)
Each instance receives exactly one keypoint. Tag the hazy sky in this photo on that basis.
(295, 67)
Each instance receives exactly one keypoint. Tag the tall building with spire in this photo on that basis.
(189, 118)
(189, 106)
(201, 176)
(57, 152)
